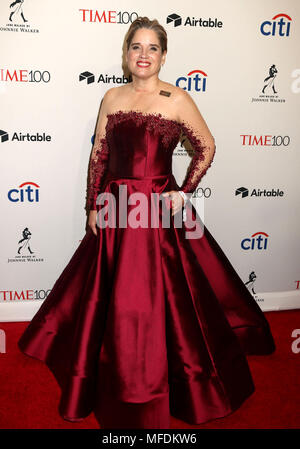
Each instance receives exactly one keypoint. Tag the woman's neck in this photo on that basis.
(142, 86)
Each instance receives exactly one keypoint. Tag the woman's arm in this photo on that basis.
(98, 164)
(196, 130)
(99, 157)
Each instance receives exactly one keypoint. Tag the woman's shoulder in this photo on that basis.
(169, 87)
(111, 92)
(181, 100)
(109, 98)
(176, 92)
(179, 96)
(113, 95)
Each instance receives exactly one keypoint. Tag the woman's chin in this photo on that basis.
(142, 72)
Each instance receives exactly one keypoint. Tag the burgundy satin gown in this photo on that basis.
(144, 323)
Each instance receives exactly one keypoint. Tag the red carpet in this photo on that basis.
(29, 393)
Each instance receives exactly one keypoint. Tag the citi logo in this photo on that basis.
(19, 137)
(191, 21)
(194, 80)
(105, 79)
(244, 192)
(259, 241)
(278, 26)
(26, 192)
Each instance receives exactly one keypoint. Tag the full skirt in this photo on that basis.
(144, 323)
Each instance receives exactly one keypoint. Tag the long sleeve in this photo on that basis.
(204, 151)
(194, 127)
(97, 169)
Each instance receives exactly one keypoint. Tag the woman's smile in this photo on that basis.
(143, 63)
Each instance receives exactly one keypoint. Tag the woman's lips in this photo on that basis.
(143, 64)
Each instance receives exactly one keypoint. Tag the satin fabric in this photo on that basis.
(144, 323)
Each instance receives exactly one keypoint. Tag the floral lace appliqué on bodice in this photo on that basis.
(171, 130)
(155, 122)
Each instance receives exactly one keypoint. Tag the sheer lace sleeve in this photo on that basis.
(194, 127)
(98, 163)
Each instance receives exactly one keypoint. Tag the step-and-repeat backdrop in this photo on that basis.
(240, 63)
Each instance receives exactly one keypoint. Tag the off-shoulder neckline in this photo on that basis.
(143, 114)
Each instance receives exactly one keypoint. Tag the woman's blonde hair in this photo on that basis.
(145, 22)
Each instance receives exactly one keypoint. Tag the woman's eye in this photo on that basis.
(135, 47)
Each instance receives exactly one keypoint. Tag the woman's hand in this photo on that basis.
(176, 200)
(92, 221)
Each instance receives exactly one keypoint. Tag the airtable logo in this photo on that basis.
(243, 191)
(257, 193)
(195, 80)
(105, 79)
(3, 136)
(175, 19)
(88, 76)
(191, 21)
(277, 27)
(19, 137)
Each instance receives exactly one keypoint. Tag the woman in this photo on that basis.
(137, 328)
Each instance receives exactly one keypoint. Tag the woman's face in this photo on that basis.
(144, 56)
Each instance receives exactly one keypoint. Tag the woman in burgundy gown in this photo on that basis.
(143, 322)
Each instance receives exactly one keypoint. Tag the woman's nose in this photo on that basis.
(144, 52)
